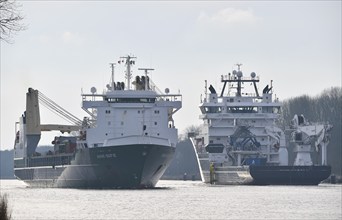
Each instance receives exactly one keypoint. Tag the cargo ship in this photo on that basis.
(127, 140)
(240, 141)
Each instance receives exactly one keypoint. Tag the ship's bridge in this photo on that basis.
(240, 107)
(226, 104)
(130, 96)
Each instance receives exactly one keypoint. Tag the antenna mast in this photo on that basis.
(239, 75)
(205, 90)
(129, 62)
(113, 83)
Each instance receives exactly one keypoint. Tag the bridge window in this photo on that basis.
(214, 148)
(212, 109)
(248, 109)
(131, 100)
(267, 109)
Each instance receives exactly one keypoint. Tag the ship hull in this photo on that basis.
(229, 175)
(222, 175)
(128, 166)
(262, 174)
(289, 175)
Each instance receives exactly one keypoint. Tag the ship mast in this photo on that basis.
(129, 63)
(239, 79)
(239, 75)
(112, 65)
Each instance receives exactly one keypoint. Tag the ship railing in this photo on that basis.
(232, 77)
(92, 97)
(169, 97)
(250, 94)
(247, 97)
(165, 97)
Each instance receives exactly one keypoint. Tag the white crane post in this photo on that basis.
(32, 112)
(324, 154)
(112, 65)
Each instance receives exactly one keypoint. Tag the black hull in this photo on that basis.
(129, 166)
(289, 175)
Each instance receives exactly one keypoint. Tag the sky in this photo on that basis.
(67, 47)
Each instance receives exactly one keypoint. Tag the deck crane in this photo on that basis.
(305, 135)
(31, 132)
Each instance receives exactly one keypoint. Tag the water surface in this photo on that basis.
(176, 200)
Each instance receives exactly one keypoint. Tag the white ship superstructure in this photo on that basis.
(239, 129)
(128, 113)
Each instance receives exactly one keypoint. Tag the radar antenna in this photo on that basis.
(239, 65)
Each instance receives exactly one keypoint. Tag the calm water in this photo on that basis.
(176, 200)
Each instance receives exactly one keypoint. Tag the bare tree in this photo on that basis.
(189, 131)
(10, 19)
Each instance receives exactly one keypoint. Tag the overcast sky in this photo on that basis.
(68, 46)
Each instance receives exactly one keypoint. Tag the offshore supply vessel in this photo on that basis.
(240, 142)
(127, 141)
